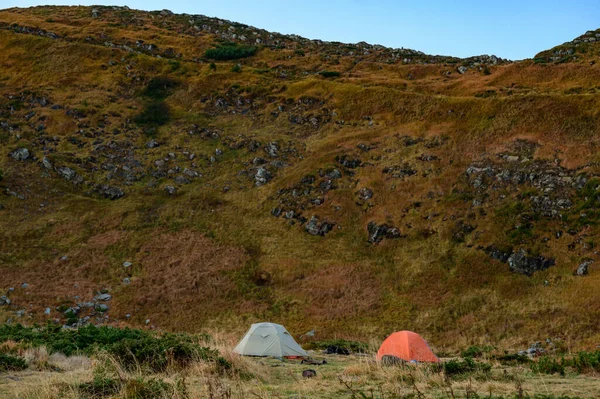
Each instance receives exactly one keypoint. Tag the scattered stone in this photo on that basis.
(103, 297)
(127, 264)
(462, 69)
(378, 232)
(110, 192)
(101, 307)
(313, 227)
(67, 173)
(365, 194)
(20, 154)
(25, 286)
(582, 269)
(272, 149)
(350, 163)
(4, 300)
(126, 281)
(46, 163)
(171, 190)
(309, 373)
(152, 144)
(47, 311)
(519, 262)
(182, 180)
(262, 177)
(218, 152)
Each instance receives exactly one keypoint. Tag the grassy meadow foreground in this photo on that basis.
(116, 363)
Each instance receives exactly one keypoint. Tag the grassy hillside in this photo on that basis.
(351, 189)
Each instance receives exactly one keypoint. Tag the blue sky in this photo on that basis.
(510, 29)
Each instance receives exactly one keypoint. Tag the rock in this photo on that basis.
(171, 190)
(101, 307)
(126, 281)
(110, 192)
(20, 154)
(66, 173)
(313, 227)
(582, 269)
(462, 69)
(308, 179)
(276, 212)
(218, 152)
(262, 177)
(127, 264)
(47, 311)
(519, 262)
(152, 144)
(272, 149)
(182, 180)
(46, 163)
(309, 373)
(259, 161)
(350, 163)
(95, 13)
(4, 300)
(190, 173)
(333, 174)
(378, 232)
(103, 297)
(365, 194)
(25, 286)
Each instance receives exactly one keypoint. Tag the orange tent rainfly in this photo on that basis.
(408, 346)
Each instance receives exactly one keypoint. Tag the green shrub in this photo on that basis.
(129, 347)
(212, 66)
(547, 365)
(11, 363)
(512, 358)
(476, 351)
(330, 74)
(237, 68)
(229, 52)
(1, 175)
(142, 388)
(586, 362)
(99, 387)
(156, 113)
(457, 367)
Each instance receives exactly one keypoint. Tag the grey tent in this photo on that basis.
(269, 339)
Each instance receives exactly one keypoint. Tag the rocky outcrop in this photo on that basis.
(521, 262)
(582, 269)
(316, 228)
(378, 232)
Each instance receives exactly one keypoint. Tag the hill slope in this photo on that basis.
(243, 175)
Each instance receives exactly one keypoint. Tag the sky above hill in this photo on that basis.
(514, 29)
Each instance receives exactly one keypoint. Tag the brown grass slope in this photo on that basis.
(72, 88)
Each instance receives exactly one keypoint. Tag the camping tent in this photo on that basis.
(269, 339)
(408, 346)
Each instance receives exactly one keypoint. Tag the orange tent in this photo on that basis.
(407, 346)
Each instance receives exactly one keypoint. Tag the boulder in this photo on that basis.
(313, 227)
(365, 194)
(110, 192)
(309, 373)
(46, 163)
(378, 232)
(272, 149)
(152, 144)
(67, 173)
(262, 177)
(520, 262)
(462, 69)
(582, 269)
(171, 190)
(20, 154)
(103, 297)
(4, 300)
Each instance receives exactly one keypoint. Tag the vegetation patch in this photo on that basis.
(330, 74)
(11, 363)
(230, 52)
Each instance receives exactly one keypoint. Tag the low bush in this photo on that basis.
(156, 113)
(129, 347)
(547, 365)
(330, 74)
(476, 351)
(229, 52)
(582, 362)
(457, 367)
(99, 387)
(11, 363)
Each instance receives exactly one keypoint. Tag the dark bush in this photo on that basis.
(547, 365)
(229, 52)
(11, 363)
(159, 87)
(352, 346)
(141, 388)
(475, 351)
(330, 74)
(156, 113)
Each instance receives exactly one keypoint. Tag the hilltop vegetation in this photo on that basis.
(186, 173)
